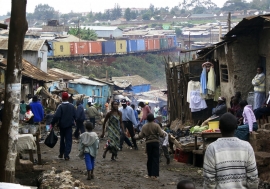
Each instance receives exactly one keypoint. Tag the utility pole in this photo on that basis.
(229, 21)
(13, 75)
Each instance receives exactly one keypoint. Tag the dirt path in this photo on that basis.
(127, 172)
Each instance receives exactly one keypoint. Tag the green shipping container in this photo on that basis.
(163, 43)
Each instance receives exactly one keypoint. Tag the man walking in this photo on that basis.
(129, 120)
(92, 112)
(145, 110)
(80, 117)
(229, 162)
(66, 115)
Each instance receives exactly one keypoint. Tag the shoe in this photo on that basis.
(66, 158)
(168, 161)
(60, 156)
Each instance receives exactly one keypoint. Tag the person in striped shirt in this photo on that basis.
(229, 162)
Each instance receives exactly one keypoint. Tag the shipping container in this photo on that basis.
(61, 48)
(108, 47)
(170, 42)
(140, 45)
(95, 47)
(50, 53)
(121, 46)
(174, 39)
(79, 48)
(163, 43)
(149, 44)
(131, 46)
(156, 44)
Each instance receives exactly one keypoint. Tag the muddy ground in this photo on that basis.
(127, 172)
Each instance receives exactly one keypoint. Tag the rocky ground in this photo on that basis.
(127, 172)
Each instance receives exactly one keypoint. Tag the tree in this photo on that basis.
(85, 34)
(146, 16)
(260, 4)
(133, 15)
(234, 5)
(152, 9)
(117, 12)
(178, 32)
(127, 14)
(9, 128)
(199, 10)
(44, 12)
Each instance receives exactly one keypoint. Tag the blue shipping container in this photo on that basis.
(131, 46)
(140, 45)
(50, 53)
(108, 47)
(174, 39)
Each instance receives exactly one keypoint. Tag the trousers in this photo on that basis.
(79, 127)
(129, 126)
(65, 141)
(152, 149)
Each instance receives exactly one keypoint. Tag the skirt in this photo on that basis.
(258, 100)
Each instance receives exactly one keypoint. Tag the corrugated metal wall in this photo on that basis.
(105, 33)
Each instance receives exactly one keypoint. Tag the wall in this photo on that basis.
(242, 60)
(32, 57)
(107, 33)
(43, 54)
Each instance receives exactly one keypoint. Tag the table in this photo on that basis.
(204, 137)
(26, 142)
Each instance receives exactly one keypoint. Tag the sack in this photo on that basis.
(51, 139)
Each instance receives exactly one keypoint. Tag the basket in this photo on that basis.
(213, 125)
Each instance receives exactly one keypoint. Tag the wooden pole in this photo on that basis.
(9, 129)
(229, 21)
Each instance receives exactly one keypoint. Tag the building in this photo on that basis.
(35, 51)
(138, 83)
(137, 10)
(106, 31)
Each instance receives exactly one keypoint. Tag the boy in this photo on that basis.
(88, 147)
(229, 162)
(185, 184)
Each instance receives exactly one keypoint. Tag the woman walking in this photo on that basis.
(151, 131)
(115, 125)
(250, 124)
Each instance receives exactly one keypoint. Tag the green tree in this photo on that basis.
(85, 34)
(234, 5)
(199, 10)
(178, 32)
(146, 16)
(116, 13)
(44, 12)
(260, 4)
(133, 15)
(127, 14)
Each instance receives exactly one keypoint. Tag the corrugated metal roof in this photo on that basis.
(29, 44)
(29, 70)
(248, 24)
(135, 80)
(101, 28)
(61, 74)
(85, 81)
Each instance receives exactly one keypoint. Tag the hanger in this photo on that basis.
(207, 64)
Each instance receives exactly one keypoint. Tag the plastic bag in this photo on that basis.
(51, 139)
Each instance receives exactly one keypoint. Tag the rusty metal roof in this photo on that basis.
(29, 44)
(248, 24)
(61, 74)
(29, 70)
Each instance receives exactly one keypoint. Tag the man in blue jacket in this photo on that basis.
(37, 110)
(65, 115)
(80, 117)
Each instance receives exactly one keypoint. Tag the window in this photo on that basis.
(121, 46)
(61, 48)
(224, 73)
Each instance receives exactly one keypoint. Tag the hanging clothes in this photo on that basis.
(203, 82)
(197, 103)
(211, 83)
(192, 86)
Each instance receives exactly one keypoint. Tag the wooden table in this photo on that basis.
(204, 137)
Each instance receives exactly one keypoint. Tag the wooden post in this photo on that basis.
(229, 21)
(9, 129)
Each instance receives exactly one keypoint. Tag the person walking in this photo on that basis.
(151, 131)
(156, 111)
(88, 147)
(114, 130)
(129, 120)
(229, 162)
(37, 110)
(80, 117)
(145, 111)
(92, 113)
(259, 88)
(65, 115)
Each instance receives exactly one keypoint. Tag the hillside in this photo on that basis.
(150, 67)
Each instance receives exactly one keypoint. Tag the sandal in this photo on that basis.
(146, 176)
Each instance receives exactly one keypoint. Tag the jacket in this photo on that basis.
(92, 112)
(259, 83)
(65, 115)
(37, 110)
(151, 132)
(80, 116)
(89, 143)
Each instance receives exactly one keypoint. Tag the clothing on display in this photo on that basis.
(211, 82)
(192, 86)
(203, 82)
(196, 101)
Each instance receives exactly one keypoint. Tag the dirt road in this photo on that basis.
(127, 172)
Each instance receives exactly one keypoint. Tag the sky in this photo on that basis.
(65, 6)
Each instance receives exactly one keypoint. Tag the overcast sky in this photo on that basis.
(65, 6)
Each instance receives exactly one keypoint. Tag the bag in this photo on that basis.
(51, 139)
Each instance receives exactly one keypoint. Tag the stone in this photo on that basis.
(24, 165)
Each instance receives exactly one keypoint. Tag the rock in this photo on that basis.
(24, 165)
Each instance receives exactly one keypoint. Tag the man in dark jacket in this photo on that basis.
(80, 117)
(65, 115)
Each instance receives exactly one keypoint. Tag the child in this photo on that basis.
(28, 115)
(163, 146)
(185, 184)
(48, 118)
(89, 143)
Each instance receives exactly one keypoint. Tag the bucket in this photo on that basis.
(33, 130)
(213, 125)
(25, 130)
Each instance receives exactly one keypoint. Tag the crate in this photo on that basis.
(181, 156)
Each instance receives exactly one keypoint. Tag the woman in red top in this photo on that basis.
(145, 110)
